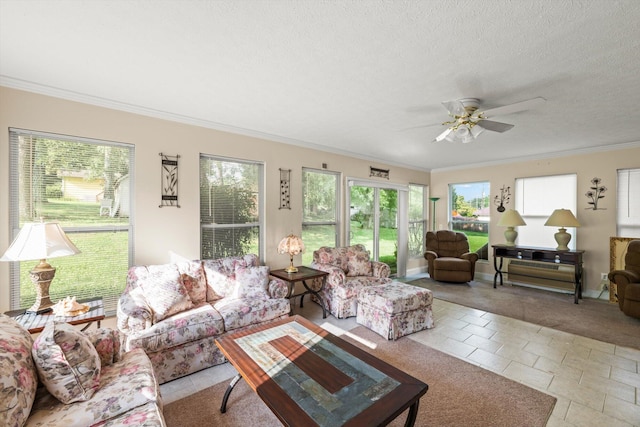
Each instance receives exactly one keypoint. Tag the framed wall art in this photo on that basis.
(169, 180)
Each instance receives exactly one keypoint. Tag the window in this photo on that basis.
(469, 213)
(68, 179)
(231, 217)
(417, 220)
(536, 199)
(320, 190)
(628, 218)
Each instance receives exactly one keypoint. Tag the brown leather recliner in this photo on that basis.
(449, 257)
(628, 281)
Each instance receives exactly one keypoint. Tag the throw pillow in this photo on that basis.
(68, 364)
(164, 291)
(18, 377)
(359, 267)
(251, 282)
(194, 280)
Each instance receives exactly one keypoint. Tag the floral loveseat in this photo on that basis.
(70, 378)
(174, 312)
(350, 269)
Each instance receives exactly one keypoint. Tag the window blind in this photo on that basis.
(628, 217)
(320, 195)
(69, 180)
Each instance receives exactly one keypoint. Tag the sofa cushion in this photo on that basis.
(251, 282)
(164, 291)
(359, 266)
(68, 364)
(18, 377)
(193, 325)
(194, 280)
(242, 312)
(127, 384)
(221, 274)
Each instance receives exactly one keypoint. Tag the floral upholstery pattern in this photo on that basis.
(341, 289)
(238, 293)
(251, 283)
(395, 309)
(164, 291)
(67, 362)
(128, 392)
(18, 377)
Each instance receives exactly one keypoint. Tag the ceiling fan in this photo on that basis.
(468, 122)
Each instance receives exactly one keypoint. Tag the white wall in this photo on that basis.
(160, 230)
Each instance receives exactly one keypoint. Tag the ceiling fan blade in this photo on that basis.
(513, 108)
(494, 126)
(455, 108)
(443, 135)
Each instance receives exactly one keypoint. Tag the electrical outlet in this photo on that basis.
(604, 276)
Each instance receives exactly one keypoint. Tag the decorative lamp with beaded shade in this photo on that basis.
(291, 245)
(39, 241)
(562, 218)
(511, 218)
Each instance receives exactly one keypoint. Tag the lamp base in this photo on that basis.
(41, 279)
(291, 268)
(562, 238)
(510, 235)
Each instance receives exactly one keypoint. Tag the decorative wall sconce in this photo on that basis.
(595, 193)
(503, 198)
(433, 211)
(380, 173)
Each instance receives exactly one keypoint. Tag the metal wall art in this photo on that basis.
(380, 173)
(503, 198)
(169, 180)
(285, 188)
(595, 194)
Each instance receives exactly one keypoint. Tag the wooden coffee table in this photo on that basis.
(309, 377)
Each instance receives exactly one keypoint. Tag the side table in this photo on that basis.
(35, 323)
(302, 275)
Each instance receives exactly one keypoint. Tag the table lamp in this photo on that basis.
(511, 218)
(291, 245)
(40, 240)
(562, 218)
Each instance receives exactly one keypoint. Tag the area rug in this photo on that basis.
(460, 394)
(591, 318)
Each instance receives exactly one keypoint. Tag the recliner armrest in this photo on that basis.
(624, 277)
(430, 255)
(471, 256)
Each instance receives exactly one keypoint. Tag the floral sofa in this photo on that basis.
(174, 312)
(70, 378)
(350, 269)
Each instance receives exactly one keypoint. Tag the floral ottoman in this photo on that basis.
(395, 309)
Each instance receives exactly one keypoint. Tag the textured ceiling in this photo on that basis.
(359, 77)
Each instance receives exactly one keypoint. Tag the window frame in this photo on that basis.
(486, 196)
(423, 221)
(259, 224)
(109, 301)
(336, 223)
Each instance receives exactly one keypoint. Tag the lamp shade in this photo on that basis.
(291, 245)
(562, 218)
(40, 240)
(511, 218)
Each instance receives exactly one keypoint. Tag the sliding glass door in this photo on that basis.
(373, 222)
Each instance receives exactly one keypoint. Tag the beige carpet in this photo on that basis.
(591, 318)
(460, 394)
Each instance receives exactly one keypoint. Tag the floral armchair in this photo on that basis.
(350, 269)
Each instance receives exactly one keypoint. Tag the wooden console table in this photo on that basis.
(528, 253)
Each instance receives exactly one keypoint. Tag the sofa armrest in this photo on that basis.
(624, 277)
(471, 256)
(107, 343)
(278, 288)
(133, 313)
(380, 269)
(336, 276)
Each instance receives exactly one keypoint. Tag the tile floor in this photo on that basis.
(596, 383)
